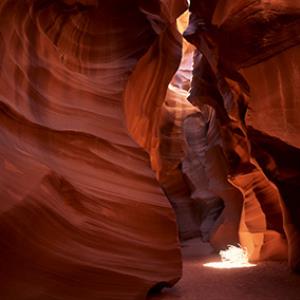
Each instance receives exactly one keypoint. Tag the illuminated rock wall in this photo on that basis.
(99, 129)
(249, 76)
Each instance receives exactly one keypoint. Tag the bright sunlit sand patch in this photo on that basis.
(231, 258)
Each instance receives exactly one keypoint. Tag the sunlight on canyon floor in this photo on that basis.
(268, 280)
(231, 258)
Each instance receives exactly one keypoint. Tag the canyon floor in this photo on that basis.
(265, 281)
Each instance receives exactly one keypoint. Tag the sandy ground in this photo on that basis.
(265, 281)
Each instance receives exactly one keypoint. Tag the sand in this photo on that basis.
(267, 280)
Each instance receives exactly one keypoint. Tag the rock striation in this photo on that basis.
(81, 213)
(116, 114)
(246, 48)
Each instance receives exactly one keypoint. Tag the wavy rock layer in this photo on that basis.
(248, 76)
(82, 216)
(160, 109)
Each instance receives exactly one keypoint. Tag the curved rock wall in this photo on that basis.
(248, 76)
(88, 87)
(159, 109)
(82, 216)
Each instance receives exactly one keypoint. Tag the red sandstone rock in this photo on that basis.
(82, 216)
(86, 84)
(245, 45)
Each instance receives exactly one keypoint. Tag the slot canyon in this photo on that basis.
(141, 141)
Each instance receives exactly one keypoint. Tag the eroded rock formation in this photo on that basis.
(247, 46)
(82, 216)
(107, 114)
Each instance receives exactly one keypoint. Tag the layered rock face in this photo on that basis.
(110, 122)
(248, 77)
(82, 215)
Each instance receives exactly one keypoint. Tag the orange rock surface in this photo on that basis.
(82, 216)
(248, 76)
(124, 127)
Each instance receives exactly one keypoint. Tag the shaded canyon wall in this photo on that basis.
(82, 215)
(111, 121)
(248, 76)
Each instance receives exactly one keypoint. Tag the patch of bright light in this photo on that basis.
(232, 257)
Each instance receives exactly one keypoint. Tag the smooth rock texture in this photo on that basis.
(248, 75)
(82, 215)
(158, 101)
(128, 125)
